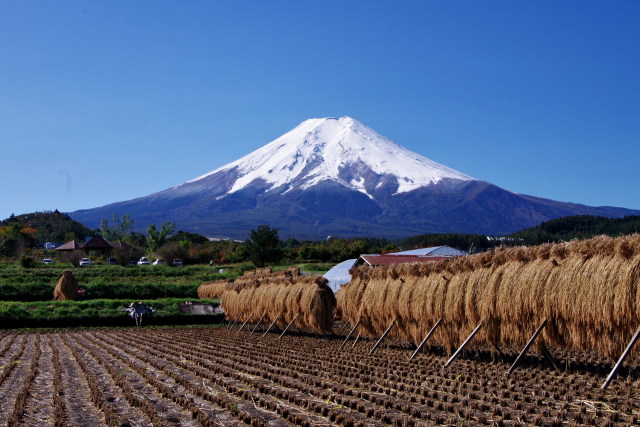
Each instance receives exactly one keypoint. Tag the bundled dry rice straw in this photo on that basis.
(586, 290)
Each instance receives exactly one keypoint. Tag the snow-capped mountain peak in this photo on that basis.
(341, 150)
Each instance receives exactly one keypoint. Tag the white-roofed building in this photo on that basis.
(434, 251)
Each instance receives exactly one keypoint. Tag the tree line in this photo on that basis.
(264, 247)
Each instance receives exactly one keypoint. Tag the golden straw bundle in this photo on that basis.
(66, 288)
(586, 290)
(307, 299)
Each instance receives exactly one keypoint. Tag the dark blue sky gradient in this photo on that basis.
(106, 101)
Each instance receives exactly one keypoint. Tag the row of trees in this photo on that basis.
(263, 246)
(121, 229)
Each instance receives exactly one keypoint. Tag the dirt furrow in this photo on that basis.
(38, 408)
(104, 392)
(12, 380)
(223, 394)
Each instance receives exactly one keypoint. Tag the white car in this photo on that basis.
(85, 261)
(143, 261)
(158, 261)
(47, 261)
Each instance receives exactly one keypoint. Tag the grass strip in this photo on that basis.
(98, 312)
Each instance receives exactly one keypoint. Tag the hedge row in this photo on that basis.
(96, 313)
(100, 290)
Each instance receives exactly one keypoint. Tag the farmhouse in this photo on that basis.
(340, 275)
(96, 243)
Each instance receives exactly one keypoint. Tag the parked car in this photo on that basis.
(112, 261)
(47, 261)
(177, 262)
(158, 261)
(85, 261)
(143, 261)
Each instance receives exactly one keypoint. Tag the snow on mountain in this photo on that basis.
(337, 177)
(342, 150)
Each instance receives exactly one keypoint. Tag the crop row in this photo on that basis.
(211, 376)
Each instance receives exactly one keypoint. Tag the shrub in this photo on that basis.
(26, 261)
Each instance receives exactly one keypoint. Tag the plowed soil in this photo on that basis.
(210, 376)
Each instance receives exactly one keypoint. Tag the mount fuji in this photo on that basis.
(336, 176)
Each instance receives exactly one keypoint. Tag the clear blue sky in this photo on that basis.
(104, 101)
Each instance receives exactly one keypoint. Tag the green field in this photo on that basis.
(26, 294)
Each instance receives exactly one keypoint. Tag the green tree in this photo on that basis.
(263, 246)
(157, 238)
(117, 229)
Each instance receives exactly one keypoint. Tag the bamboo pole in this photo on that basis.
(244, 324)
(271, 325)
(624, 355)
(382, 337)
(424, 341)
(344, 325)
(287, 328)
(234, 322)
(356, 340)
(464, 344)
(258, 324)
(349, 335)
(527, 346)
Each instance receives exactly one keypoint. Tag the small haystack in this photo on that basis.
(66, 288)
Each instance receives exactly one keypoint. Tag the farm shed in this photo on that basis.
(433, 251)
(380, 260)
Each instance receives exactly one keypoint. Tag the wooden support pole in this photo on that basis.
(624, 355)
(344, 325)
(287, 328)
(245, 323)
(382, 337)
(424, 341)
(356, 340)
(233, 325)
(527, 346)
(271, 325)
(464, 344)
(349, 335)
(258, 324)
(547, 355)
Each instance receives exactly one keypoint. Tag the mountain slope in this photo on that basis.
(339, 177)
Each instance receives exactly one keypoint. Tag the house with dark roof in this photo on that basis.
(95, 243)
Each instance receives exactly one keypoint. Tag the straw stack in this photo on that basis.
(66, 288)
(586, 290)
(308, 299)
(213, 290)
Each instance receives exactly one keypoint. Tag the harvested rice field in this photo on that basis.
(210, 376)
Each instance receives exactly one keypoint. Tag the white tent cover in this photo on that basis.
(339, 275)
